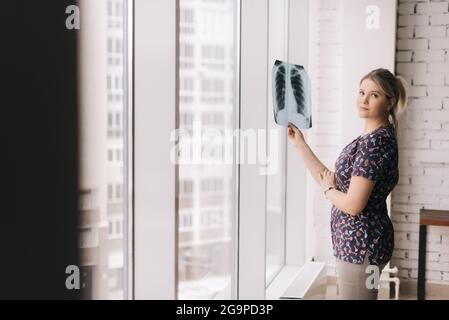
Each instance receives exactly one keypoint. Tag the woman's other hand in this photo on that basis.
(295, 136)
(327, 179)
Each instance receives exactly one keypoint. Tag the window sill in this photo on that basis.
(293, 282)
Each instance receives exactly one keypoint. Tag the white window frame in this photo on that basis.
(155, 64)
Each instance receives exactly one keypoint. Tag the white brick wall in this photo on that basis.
(422, 58)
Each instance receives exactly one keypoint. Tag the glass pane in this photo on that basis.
(104, 149)
(276, 137)
(207, 180)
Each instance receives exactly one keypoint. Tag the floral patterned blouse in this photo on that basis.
(373, 156)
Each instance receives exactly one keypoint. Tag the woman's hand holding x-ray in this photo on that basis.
(295, 136)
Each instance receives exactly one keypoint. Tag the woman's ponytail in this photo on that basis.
(401, 101)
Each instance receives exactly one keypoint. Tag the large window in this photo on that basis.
(206, 192)
(104, 149)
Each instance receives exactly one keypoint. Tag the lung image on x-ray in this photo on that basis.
(291, 95)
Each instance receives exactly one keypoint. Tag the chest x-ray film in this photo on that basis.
(291, 95)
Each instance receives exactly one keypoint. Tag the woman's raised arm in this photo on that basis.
(313, 164)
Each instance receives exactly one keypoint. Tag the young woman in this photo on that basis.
(365, 173)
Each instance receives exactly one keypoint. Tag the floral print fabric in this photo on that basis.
(375, 157)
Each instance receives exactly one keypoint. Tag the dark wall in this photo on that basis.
(38, 224)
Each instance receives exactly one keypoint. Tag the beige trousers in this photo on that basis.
(351, 280)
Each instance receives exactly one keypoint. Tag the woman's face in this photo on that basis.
(371, 102)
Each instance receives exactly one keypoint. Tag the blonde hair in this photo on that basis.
(393, 87)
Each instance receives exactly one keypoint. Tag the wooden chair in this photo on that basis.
(427, 218)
